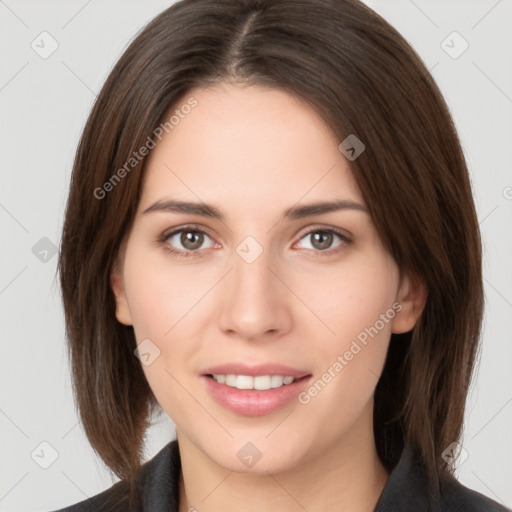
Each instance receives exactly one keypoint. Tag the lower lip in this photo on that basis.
(252, 402)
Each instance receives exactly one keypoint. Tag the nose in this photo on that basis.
(255, 302)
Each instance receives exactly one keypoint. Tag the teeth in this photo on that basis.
(262, 382)
(221, 379)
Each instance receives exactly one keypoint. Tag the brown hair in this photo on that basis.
(363, 78)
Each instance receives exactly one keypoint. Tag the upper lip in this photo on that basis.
(255, 370)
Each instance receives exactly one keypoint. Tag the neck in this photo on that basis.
(347, 476)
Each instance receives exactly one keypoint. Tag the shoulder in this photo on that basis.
(408, 488)
(455, 496)
(157, 486)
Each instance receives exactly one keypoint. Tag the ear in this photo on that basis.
(412, 297)
(123, 313)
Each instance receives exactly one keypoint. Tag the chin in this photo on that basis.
(260, 456)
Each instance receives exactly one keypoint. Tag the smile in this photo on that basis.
(254, 395)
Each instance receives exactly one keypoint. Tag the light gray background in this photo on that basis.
(44, 104)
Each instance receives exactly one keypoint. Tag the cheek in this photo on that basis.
(163, 297)
(351, 299)
(166, 305)
(356, 304)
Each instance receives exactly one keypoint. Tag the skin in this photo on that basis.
(253, 152)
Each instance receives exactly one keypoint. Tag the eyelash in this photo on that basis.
(195, 229)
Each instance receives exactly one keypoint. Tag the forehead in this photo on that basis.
(243, 144)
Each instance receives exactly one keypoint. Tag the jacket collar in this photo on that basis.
(161, 478)
(407, 488)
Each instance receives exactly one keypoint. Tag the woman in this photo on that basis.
(270, 236)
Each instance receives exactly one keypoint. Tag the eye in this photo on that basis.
(185, 241)
(192, 238)
(321, 240)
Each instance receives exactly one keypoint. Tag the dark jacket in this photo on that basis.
(406, 490)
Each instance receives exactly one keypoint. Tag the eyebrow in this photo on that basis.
(293, 213)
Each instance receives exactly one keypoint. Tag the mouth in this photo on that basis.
(254, 390)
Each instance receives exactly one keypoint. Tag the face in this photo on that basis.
(261, 288)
